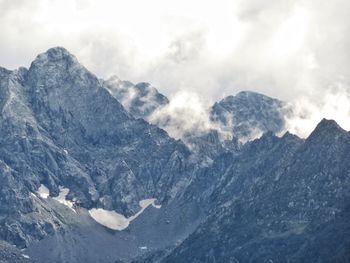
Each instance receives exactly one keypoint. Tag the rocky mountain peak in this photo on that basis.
(326, 130)
(55, 54)
(329, 125)
(249, 114)
(57, 68)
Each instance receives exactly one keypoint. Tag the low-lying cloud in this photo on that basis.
(188, 113)
(308, 112)
(185, 114)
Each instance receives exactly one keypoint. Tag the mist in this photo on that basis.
(308, 112)
(186, 113)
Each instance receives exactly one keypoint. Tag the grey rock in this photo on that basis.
(277, 202)
(140, 100)
(250, 114)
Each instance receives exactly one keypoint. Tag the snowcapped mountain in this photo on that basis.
(85, 178)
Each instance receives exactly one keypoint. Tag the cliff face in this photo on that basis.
(279, 201)
(61, 128)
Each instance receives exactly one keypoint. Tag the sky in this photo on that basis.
(293, 50)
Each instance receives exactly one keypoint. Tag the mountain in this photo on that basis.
(238, 119)
(85, 178)
(249, 114)
(140, 100)
(279, 201)
(246, 116)
(61, 128)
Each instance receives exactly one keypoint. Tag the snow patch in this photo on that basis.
(62, 198)
(43, 191)
(110, 219)
(146, 202)
(25, 256)
(143, 248)
(116, 221)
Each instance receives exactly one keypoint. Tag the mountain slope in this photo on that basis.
(61, 128)
(68, 146)
(278, 206)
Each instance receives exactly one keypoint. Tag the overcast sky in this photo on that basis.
(280, 48)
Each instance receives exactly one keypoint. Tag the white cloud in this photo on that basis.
(185, 113)
(286, 49)
(308, 112)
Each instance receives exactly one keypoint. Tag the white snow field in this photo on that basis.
(116, 221)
